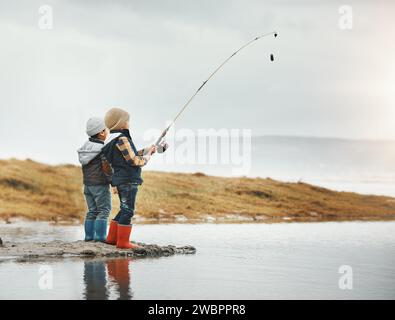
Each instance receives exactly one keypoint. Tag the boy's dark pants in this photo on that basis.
(127, 193)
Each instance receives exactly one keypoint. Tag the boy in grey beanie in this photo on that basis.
(97, 178)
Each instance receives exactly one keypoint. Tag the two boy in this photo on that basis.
(120, 164)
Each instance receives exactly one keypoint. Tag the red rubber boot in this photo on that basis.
(112, 233)
(123, 242)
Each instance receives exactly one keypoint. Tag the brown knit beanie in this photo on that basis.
(116, 118)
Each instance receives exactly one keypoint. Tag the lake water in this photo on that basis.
(233, 261)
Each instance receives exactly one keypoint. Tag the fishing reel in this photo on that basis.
(162, 147)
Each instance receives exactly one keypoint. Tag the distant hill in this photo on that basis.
(37, 191)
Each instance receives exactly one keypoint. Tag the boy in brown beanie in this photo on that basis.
(126, 162)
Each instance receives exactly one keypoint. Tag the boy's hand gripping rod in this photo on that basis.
(158, 142)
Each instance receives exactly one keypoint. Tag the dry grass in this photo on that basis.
(54, 193)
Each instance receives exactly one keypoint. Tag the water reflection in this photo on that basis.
(270, 261)
(108, 279)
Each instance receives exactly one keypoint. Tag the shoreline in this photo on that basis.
(208, 220)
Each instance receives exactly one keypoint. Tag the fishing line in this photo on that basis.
(207, 80)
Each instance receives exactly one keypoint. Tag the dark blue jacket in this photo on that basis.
(124, 169)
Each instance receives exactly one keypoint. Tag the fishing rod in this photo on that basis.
(164, 132)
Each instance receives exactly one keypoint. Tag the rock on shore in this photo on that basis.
(59, 249)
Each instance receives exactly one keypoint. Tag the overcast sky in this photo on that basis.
(150, 56)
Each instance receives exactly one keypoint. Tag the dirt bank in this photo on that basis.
(36, 191)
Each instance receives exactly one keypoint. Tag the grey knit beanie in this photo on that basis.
(94, 126)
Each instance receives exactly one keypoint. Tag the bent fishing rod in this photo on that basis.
(163, 134)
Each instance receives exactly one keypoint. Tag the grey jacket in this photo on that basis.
(95, 168)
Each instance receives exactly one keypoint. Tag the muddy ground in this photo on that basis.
(60, 249)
